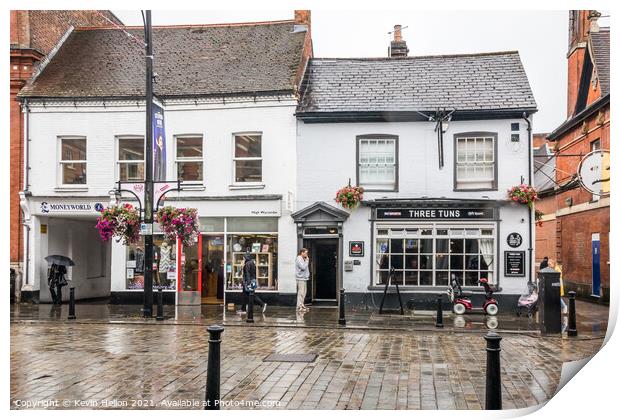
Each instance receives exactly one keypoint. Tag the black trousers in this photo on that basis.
(56, 295)
(246, 298)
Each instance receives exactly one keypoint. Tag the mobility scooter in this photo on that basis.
(461, 301)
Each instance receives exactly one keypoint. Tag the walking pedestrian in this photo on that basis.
(56, 280)
(302, 274)
(249, 283)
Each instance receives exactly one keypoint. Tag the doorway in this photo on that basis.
(212, 269)
(323, 285)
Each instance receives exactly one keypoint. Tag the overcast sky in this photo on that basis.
(539, 36)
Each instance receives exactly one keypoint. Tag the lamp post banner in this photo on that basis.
(159, 144)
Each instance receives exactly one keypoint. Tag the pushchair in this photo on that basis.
(528, 303)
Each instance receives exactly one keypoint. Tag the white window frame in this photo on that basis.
(434, 226)
(178, 159)
(119, 162)
(61, 162)
(377, 186)
(235, 159)
(475, 183)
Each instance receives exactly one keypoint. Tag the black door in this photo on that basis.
(326, 266)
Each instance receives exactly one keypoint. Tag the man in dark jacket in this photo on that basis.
(250, 282)
(544, 263)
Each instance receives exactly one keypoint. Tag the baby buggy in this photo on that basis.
(528, 303)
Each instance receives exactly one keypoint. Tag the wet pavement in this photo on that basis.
(126, 365)
(591, 318)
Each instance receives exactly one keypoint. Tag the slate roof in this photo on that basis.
(600, 53)
(470, 82)
(189, 60)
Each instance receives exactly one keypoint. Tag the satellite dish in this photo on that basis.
(593, 172)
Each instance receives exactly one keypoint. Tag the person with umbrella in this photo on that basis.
(56, 278)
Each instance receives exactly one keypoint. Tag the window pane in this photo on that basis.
(396, 246)
(471, 246)
(396, 262)
(248, 171)
(411, 278)
(442, 245)
(131, 149)
(73, 173)
(426, 246)
(131, 171)
(426, 262)
(189, 171)
(441, 278)
(189, 147)
(382, 246)
(252, 224)
(411, 246)
(248, 146)
(73, 149)
(426, 278)
(456, 246)
(456, 262)
(471, 279)
(441, 262)
(471, 262)
(411, 262)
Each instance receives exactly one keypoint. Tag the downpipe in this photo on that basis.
(25, 279)
(529, 177)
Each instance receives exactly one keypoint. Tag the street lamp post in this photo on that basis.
(147, 311)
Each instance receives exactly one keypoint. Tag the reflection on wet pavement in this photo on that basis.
(355, 369)
(591, 318)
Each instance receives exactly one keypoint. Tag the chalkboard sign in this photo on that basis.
(514, 263)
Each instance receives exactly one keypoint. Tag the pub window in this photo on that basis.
(188, 160)
(248, 160)
(433, 255)
(475, 161)
(72, 161)
(131, 159)
(377, 164)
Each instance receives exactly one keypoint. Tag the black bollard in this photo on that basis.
(494, 375)
(212, 394)
(439, 320)
(160, 304)
(71, 303)
(572, 315)
(250, 307)
(342, 320)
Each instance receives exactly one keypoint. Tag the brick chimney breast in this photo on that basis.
(398, 47)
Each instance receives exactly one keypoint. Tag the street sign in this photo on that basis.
(594, 172)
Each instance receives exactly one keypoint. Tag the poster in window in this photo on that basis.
(130, 273)
(256, 247)
(265, 248)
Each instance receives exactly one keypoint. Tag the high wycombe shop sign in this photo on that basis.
(436, 213)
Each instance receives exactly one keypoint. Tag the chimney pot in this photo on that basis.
(398, 36)
(398, 46)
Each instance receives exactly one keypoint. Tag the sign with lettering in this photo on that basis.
(514, 263)
(514, 240)
(356, 248)
(67, 207)
(436, 213)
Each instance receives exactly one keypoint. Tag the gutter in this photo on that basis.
(581, 116)
(530, 152)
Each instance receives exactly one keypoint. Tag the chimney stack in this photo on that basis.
(398, 47)
(302, 17)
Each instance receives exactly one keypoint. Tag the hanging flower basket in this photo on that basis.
(122, 222)
(523, 194)
(179, 223)
(349, 197)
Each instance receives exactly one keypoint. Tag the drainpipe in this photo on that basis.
(26, 191)
(529, 177)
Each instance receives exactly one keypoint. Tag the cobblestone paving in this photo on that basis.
(143, 366)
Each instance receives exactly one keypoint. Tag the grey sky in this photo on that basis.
(539, 36)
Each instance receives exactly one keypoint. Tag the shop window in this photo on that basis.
(164, 265)
(248, 160)
(188, 158)
(264, 251)
(211, 224)
(475, 162)
(252, 224)
(131, 159)
(377, 165)
(431, 258)
(72, 161)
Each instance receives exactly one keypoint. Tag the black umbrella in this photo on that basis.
(59, 260)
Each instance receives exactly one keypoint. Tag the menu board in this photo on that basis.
(514, 263)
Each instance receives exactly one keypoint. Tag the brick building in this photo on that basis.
(33, 36)
(579, 241)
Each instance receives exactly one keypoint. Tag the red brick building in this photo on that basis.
(33, 36)
(575, 227)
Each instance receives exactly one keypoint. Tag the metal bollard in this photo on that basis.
(212, 394)
(342, 320)
(250, 307)
(439, 320)
(160, 304)
(572, 315)
(494, 375)
(71, 303)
